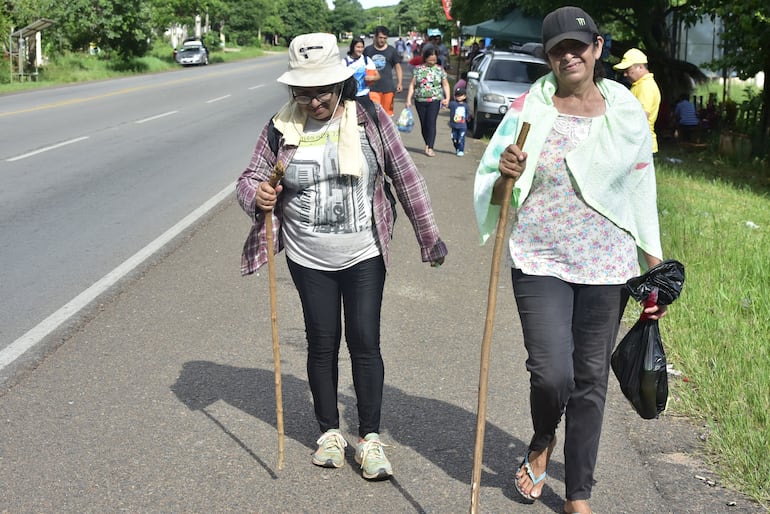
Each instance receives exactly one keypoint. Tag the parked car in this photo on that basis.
(496, 78)
(192, 52)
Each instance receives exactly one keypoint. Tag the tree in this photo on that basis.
(746, 44)
(121, 26)
(304, 16)
(247, 19)
(166, 13)
(470, 12)
(408, 15)
(347, 16)
(432, 16)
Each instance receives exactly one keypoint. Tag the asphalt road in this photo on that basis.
(162, 399)
(92, 173)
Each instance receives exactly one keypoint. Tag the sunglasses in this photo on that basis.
(323, 96)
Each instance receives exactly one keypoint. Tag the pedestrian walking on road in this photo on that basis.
(364, 70)
(334, 216)
(429, 88)
(458, 120)
(583, 215)
(386, 60)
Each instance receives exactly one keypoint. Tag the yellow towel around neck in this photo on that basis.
(290, 121)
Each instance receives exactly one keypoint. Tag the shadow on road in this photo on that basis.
(439, 431)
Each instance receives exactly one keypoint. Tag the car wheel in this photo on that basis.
(477, 128)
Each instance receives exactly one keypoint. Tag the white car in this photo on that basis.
(497, 78)
(192, 53)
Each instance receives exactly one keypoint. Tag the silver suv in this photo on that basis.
(496, 78)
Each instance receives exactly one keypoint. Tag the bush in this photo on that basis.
(212, 42)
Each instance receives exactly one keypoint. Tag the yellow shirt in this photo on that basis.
(646, 91)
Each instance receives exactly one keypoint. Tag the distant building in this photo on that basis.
(701, 44)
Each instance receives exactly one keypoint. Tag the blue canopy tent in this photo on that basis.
(515, 26)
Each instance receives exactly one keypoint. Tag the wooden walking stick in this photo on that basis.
(278, 172)
(481, 415)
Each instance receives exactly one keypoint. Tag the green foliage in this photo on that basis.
(212, 42)
(303, 16)
(746, 36)
(347, 16)
(170, 12)
(244, 19)
(408, 14)
(470, 12)
(746, 44)
(120, 27)
(432, 16)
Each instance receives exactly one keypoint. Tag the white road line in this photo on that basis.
(41, 150)
(17, 348)
(217, 99)
(255, 87)
(169, 113)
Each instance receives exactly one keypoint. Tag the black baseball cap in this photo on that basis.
(459, 91)
(568, 23)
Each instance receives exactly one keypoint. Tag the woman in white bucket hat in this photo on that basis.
(334, 215)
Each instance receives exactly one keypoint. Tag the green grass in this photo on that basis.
(715, 218)
(736, 90)
(77, 67)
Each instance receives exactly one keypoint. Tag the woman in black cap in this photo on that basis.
(585, 211)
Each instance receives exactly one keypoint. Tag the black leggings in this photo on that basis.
(569, 331)
(322, 294)
(428, 114)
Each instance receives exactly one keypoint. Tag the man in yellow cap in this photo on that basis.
(643, 86)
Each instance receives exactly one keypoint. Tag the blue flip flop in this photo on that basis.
(535, 480)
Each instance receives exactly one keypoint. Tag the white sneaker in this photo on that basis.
(371, 456)
(331, 449)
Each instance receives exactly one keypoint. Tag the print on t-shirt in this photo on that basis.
(459, 116)
(328, 202)
(380, 61)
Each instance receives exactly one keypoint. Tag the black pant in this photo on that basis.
(569, 331)
(322, 294)
(428, 114)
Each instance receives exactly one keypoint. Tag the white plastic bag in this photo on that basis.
(405, 121)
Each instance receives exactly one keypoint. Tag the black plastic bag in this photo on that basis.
(667, 277)
(639, 361)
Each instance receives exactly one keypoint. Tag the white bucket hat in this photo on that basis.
(314, 60)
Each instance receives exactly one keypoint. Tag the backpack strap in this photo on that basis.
(273, 137)
(371, 110)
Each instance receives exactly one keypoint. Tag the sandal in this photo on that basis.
(429, 152)
(531, 474)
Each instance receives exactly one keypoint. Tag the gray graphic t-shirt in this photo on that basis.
(327, 216)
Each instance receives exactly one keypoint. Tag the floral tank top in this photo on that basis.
(557, 233)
